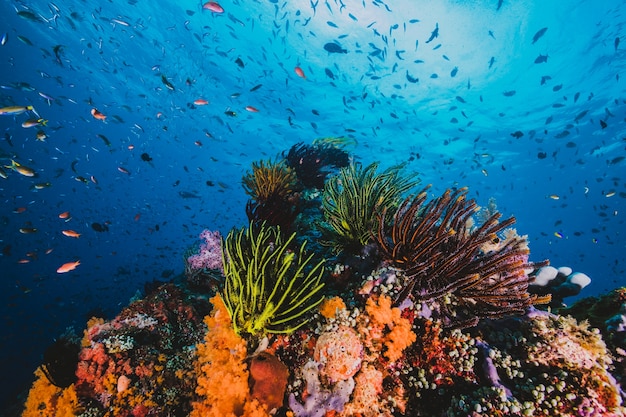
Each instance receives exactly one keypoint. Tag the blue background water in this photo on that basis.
(455, 127)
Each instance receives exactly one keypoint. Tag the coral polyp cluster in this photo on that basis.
(371, 303)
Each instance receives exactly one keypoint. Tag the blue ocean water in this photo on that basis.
(520, 101)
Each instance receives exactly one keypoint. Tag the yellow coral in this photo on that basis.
(222, 372)
(400, 335)
(330, 306)
(45, 399)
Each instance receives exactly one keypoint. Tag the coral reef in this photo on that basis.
(423, 312)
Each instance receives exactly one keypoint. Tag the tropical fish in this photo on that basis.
(434, 34)
(24, 170)
(71, 233)
(252, 109)
(67, 267)
(24, 40)
(106, 140)
(97, 115)
(410, 78)
(13, 110)
(200, 102)
(120, 22)
(539, 34)
(34, 122)
(333, 48)
(299, 72)
(167, 84)
(213, 6)
(28, 15)
(41, 136)
(42, 185)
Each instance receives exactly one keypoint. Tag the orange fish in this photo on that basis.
(299, 72)
(19, 210)
(200, 102)
(137, 216)
(252, 109)
(96, 114)
(213, 6)
(64, 215)
(71, 233)
(131, 147)
(67, 267)
(23, 261)
(123, 170)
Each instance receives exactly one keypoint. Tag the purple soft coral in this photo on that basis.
(320, 400)
(210, 255)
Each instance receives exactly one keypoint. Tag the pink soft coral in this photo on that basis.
(210, 255)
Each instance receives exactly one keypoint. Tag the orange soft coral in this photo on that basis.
(45, 399)
(331, 306)
(222, 371)
(400, 335)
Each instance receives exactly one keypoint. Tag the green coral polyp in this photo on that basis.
(269, 288)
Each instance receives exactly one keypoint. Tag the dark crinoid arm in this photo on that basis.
(467, 270)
